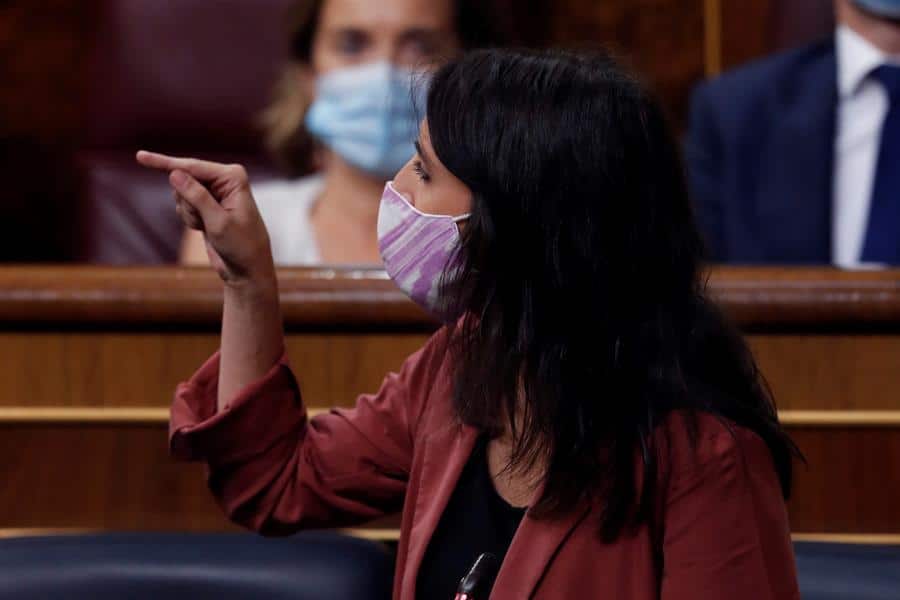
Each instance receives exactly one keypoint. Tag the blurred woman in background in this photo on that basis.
(345, 117)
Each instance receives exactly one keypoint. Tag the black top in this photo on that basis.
(476, 520)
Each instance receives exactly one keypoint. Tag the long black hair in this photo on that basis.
(581, 278)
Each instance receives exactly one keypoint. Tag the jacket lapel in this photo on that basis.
(533, 547)
(444, 456)
(795, 182)
(534, 544)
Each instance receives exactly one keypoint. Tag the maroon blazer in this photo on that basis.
(724, 529)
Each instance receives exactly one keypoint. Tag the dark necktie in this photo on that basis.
(882, 242)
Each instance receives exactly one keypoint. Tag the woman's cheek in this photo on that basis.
(405, 180)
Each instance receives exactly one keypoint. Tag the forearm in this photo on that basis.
(215, 198)
(252, 336)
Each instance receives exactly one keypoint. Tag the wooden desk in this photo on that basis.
(89, 358)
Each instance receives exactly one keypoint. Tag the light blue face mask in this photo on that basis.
(368, 115)
(889, 9)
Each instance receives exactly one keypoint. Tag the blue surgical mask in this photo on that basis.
(369, 115)
(889, 9)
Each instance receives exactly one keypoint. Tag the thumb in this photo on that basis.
(198, 197)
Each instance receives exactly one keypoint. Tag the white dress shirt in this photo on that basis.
(862, 108)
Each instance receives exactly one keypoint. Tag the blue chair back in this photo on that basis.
(848, 571)
(309, 566)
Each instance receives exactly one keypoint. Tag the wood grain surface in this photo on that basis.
(760, 299)
(112, 344)
(751, 30)
(45, 369)
(825, 339)
(120, 477)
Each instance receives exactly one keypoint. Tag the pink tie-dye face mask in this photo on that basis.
(417, 248)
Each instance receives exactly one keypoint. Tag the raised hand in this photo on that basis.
(215, 199)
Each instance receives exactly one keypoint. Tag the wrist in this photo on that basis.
(260, 287)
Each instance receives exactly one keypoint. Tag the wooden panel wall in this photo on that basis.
(852, 482)
(89, 369)
(140, 369)
(100, 476)
(120, 477)
(750, 30)
(662, 39)
(89, 359)
(825, 339)
(831, 372)
(43, 50)
(747, 31)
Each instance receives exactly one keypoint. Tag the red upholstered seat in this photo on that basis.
(179, 76)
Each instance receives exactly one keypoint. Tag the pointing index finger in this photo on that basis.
(155, 160)
(200, 169)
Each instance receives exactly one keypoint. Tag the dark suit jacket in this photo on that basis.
(760, 151)
(724, 524)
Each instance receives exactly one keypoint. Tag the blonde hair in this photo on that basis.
(285, 136)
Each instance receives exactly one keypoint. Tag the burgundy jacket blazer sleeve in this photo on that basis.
(275, 471)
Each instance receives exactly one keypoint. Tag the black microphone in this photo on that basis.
(477, 583)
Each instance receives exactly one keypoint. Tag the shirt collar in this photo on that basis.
(856, 58)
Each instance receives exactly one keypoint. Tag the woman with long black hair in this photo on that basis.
(587, 414)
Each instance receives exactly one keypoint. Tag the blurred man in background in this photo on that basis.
(796, 158)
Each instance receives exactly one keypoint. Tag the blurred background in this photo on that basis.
(86, 83)
(791, 131)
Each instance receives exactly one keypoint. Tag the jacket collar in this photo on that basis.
(533, 547)
(856, 59)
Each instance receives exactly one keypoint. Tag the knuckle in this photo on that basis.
(193, 192)
(238, 171)
(217, 228)
(190, 184)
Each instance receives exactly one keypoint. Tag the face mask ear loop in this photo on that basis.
(463, 217)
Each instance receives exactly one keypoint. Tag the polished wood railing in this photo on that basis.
(89, 357)
(757, 298)
(192, 298)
